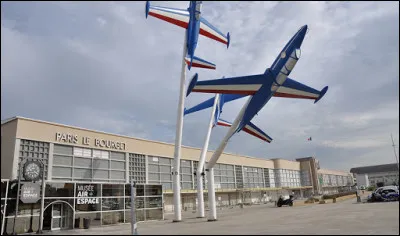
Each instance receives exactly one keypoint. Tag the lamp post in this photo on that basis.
(395, 155)
(133, 212)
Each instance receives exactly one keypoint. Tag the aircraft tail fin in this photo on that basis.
(198, 62)
(225, 123)
(251, 129)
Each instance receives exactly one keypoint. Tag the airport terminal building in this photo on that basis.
(387, 174)
(87, 175)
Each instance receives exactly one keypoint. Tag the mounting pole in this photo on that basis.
(200, 173)
(178, 140)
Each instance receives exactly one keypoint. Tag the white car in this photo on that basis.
(391, 190)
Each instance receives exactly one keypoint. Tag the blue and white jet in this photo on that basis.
(194, 24)
(274, 82)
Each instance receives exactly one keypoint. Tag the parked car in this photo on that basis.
(384, 194)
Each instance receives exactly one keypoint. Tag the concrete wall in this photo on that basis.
(333, 172)
(8, 138)
(286, 164)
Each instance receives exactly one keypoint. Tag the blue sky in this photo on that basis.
(104, 66)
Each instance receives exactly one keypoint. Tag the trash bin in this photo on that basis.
(86, 223)
(77, 223)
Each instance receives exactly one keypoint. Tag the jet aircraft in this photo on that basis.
(194, 24)
(274, 82)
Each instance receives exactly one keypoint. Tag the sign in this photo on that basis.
(30, 192)
(86, 194)
(98, 142)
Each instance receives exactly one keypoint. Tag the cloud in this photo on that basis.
(104, 66)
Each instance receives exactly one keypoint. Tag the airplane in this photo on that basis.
(274, 82)
(224, 98)
(194, 24)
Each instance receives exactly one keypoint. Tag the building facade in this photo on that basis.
(75, 158)
(387, 174)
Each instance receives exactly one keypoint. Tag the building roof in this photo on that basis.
(374, 169)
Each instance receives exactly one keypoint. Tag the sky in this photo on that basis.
(104, 66)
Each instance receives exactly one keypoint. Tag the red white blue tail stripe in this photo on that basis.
(208, 30)
(174, 16)
(293, 89)
(250, 129)
(200, 63)
(225, 123)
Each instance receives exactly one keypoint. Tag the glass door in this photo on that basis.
(56, 215)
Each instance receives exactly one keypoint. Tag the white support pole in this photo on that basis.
(224, 142)
(200, 198)
(211, 196)
(210, 171)
(178, 140)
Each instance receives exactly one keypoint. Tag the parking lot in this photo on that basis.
(346, 217)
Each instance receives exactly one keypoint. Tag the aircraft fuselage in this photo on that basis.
(193, 29)
(275, 76)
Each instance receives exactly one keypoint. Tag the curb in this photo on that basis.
(327, 201)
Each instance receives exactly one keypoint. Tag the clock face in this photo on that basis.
(32, 171)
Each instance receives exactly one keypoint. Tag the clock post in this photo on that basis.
(32, 171)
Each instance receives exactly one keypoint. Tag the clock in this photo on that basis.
(32, 170)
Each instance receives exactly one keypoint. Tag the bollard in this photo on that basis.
(358, 199)
(334, 200)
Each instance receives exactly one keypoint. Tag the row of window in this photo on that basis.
(77, 164)
(71, 190)
(335, 180)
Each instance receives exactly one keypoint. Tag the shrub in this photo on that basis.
(371, 188)
(336, 195)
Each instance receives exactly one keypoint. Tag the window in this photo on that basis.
(63, 150)
(117, 165)
(62, 172)
(83, 162)
(100, 174)
(101, 154)
(82, 152)
(82, 173)
(62, 160)
(118, 175)
(118, 156)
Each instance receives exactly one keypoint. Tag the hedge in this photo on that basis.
(336, 195)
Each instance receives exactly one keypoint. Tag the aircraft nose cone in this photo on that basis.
(301, 35)
(304, 29)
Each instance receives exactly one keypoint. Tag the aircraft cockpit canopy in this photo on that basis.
(298, 53)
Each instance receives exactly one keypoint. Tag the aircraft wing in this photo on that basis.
(208, 30)
(210, 102)
(174, 16)
(250, 129)
(293, 89)
(244, 85)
